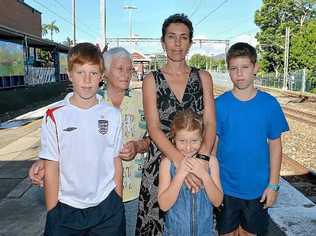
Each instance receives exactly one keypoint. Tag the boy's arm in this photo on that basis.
(275, 148)
(51, 183)
(118, 176)
(269, 196)
(51, 155)
(118, 168)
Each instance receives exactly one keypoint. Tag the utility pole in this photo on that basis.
(130, 8)
(286, 58)
(103, 24)
(74, 21)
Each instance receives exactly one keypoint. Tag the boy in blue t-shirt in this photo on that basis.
(249, 128)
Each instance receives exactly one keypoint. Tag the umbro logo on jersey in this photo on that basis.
(70, 129)
(103, 126)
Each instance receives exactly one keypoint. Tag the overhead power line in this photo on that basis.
(212, 11)
(62, 6)
(197, 6)
(246, 32)
(63, 18)
(78, 21)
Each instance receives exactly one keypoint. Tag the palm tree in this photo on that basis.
(52, 27)
(68, 42)
(44, 30)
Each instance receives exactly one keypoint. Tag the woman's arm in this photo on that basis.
(51, 183)
(208, 113)
(168, 189)
(214, 150)
(153, 121)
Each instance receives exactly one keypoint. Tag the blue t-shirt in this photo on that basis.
(243, 129)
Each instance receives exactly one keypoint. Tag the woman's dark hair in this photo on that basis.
(177, 18)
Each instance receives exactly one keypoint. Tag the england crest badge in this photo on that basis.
(103, 126)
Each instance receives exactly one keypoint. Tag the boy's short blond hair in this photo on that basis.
(241, 50)
(85, 53)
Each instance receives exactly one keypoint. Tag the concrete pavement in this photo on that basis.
(22, 210)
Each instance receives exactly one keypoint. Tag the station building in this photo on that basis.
(26, 59)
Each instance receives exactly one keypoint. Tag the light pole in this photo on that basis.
(74, 21)
(130, 8)
(103, 25)
(286, 58)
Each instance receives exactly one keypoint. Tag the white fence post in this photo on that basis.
(303, 81)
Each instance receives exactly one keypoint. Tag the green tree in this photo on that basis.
(272, 19)
(217, 64)
(303, 47)
(303, 50)
(50, 28)
(207, 63)
(199, 61)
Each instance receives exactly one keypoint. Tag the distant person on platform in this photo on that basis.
(118, 74)
(249, 124)
(81, 138)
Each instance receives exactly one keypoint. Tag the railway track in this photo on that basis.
(299, 115)
(302, 178)
(292, 113)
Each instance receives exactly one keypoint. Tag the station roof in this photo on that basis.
(13, 35)
(139, 57)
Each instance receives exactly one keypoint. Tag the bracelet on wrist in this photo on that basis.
(202, 157)
(274, 187)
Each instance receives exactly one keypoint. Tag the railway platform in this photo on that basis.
(22, 208)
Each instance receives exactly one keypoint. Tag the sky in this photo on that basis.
(231, 20)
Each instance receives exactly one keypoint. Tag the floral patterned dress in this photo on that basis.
(150, 217)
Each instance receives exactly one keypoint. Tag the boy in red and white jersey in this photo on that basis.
(81, 138)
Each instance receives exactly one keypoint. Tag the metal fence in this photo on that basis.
(39, 75)
(300, 80)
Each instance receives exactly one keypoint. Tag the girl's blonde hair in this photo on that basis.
(186, 120)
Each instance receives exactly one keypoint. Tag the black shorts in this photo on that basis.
(249, 214)
(107, 218)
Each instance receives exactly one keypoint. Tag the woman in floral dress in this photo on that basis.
(174, 87)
